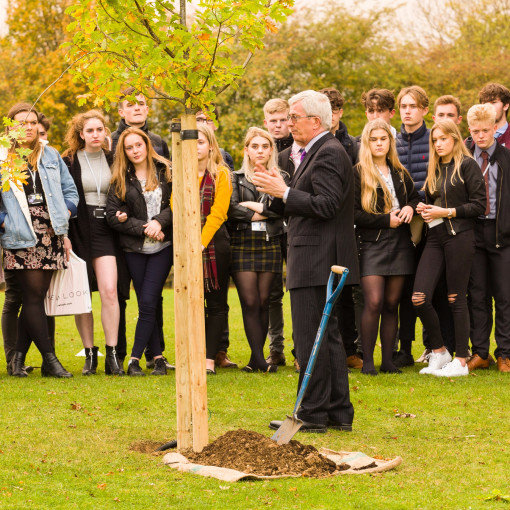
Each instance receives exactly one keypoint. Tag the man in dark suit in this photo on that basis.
(320, 206)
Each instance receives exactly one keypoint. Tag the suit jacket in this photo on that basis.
(320, 208)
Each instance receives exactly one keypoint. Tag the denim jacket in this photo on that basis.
(60, 194)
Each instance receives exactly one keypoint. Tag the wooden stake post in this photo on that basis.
(191, 383)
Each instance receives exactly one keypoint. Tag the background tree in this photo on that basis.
(31, 59)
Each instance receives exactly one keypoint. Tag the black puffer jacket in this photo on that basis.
(239, 217)
(368, 225)
(158, 143)
(467, 198)
(131, 232)
(413, 152)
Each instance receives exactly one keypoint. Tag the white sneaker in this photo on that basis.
(437, 361)
(452, 369)
(424, 358)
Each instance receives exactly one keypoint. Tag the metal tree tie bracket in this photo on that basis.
(189, 134)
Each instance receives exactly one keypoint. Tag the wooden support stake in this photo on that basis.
(189, 241)
(182, 368)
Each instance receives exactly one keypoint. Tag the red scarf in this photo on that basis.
(209, 253)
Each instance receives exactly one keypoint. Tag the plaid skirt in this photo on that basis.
(48, 253)
(252, 251)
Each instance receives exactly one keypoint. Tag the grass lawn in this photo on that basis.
(65, 443)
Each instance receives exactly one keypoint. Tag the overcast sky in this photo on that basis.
(407, 12)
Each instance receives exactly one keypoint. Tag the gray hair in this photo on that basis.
(314, 104)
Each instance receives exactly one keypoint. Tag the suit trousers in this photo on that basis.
(327, 396)
(489, 278)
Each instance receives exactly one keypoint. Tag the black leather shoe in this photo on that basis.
(392, 370)
(402, 359)
(346, 427)
(306, 427)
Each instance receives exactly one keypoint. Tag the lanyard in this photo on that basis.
(98, 184)
(33, 175)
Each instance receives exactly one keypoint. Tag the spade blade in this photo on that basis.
(287, 429)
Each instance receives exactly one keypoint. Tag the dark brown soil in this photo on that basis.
(253, 453)
(147, 446)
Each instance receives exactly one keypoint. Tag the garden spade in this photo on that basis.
(292, 424)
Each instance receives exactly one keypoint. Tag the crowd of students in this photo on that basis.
(430, 215)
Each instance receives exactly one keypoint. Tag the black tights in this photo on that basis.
(32, 322)
(254, 290)
(382, 295)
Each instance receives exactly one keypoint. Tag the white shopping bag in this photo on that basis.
(69, 292)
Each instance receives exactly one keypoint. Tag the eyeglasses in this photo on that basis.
(205, 120)
(295, 118)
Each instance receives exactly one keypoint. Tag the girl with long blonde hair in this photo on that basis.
(89, 160)
(256, 248)
(455, 197)
(384, 204)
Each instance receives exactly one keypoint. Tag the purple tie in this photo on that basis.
(303, 154)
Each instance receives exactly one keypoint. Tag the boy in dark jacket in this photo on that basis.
(489, 274)
(499, 96)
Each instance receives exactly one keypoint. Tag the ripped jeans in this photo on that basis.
(454, 253)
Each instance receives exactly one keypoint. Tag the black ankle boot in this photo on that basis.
(112, 365)
(134, 368)
(159, 367)
(17, 365)
(51, 366)
(90, 366)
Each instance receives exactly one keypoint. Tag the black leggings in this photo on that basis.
(455, 253)
(381, 297)
(32, 321)
(254, 290)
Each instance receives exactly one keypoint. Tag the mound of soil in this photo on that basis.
(253, 453)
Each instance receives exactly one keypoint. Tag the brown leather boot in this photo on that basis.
(222, 360)
(504, 364)
(276, 358)
(354, 361)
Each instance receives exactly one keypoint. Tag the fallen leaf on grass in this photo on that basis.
(101, 486)
(497, 496)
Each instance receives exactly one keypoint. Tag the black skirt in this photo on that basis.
(253, 251)
(102, 238)
(391, 255)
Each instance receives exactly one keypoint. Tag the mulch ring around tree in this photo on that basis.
(147, 446)
(254, 453)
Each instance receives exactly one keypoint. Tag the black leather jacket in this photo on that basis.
(131, 232)
(369, 227)
(239, 217)
(467, 198)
